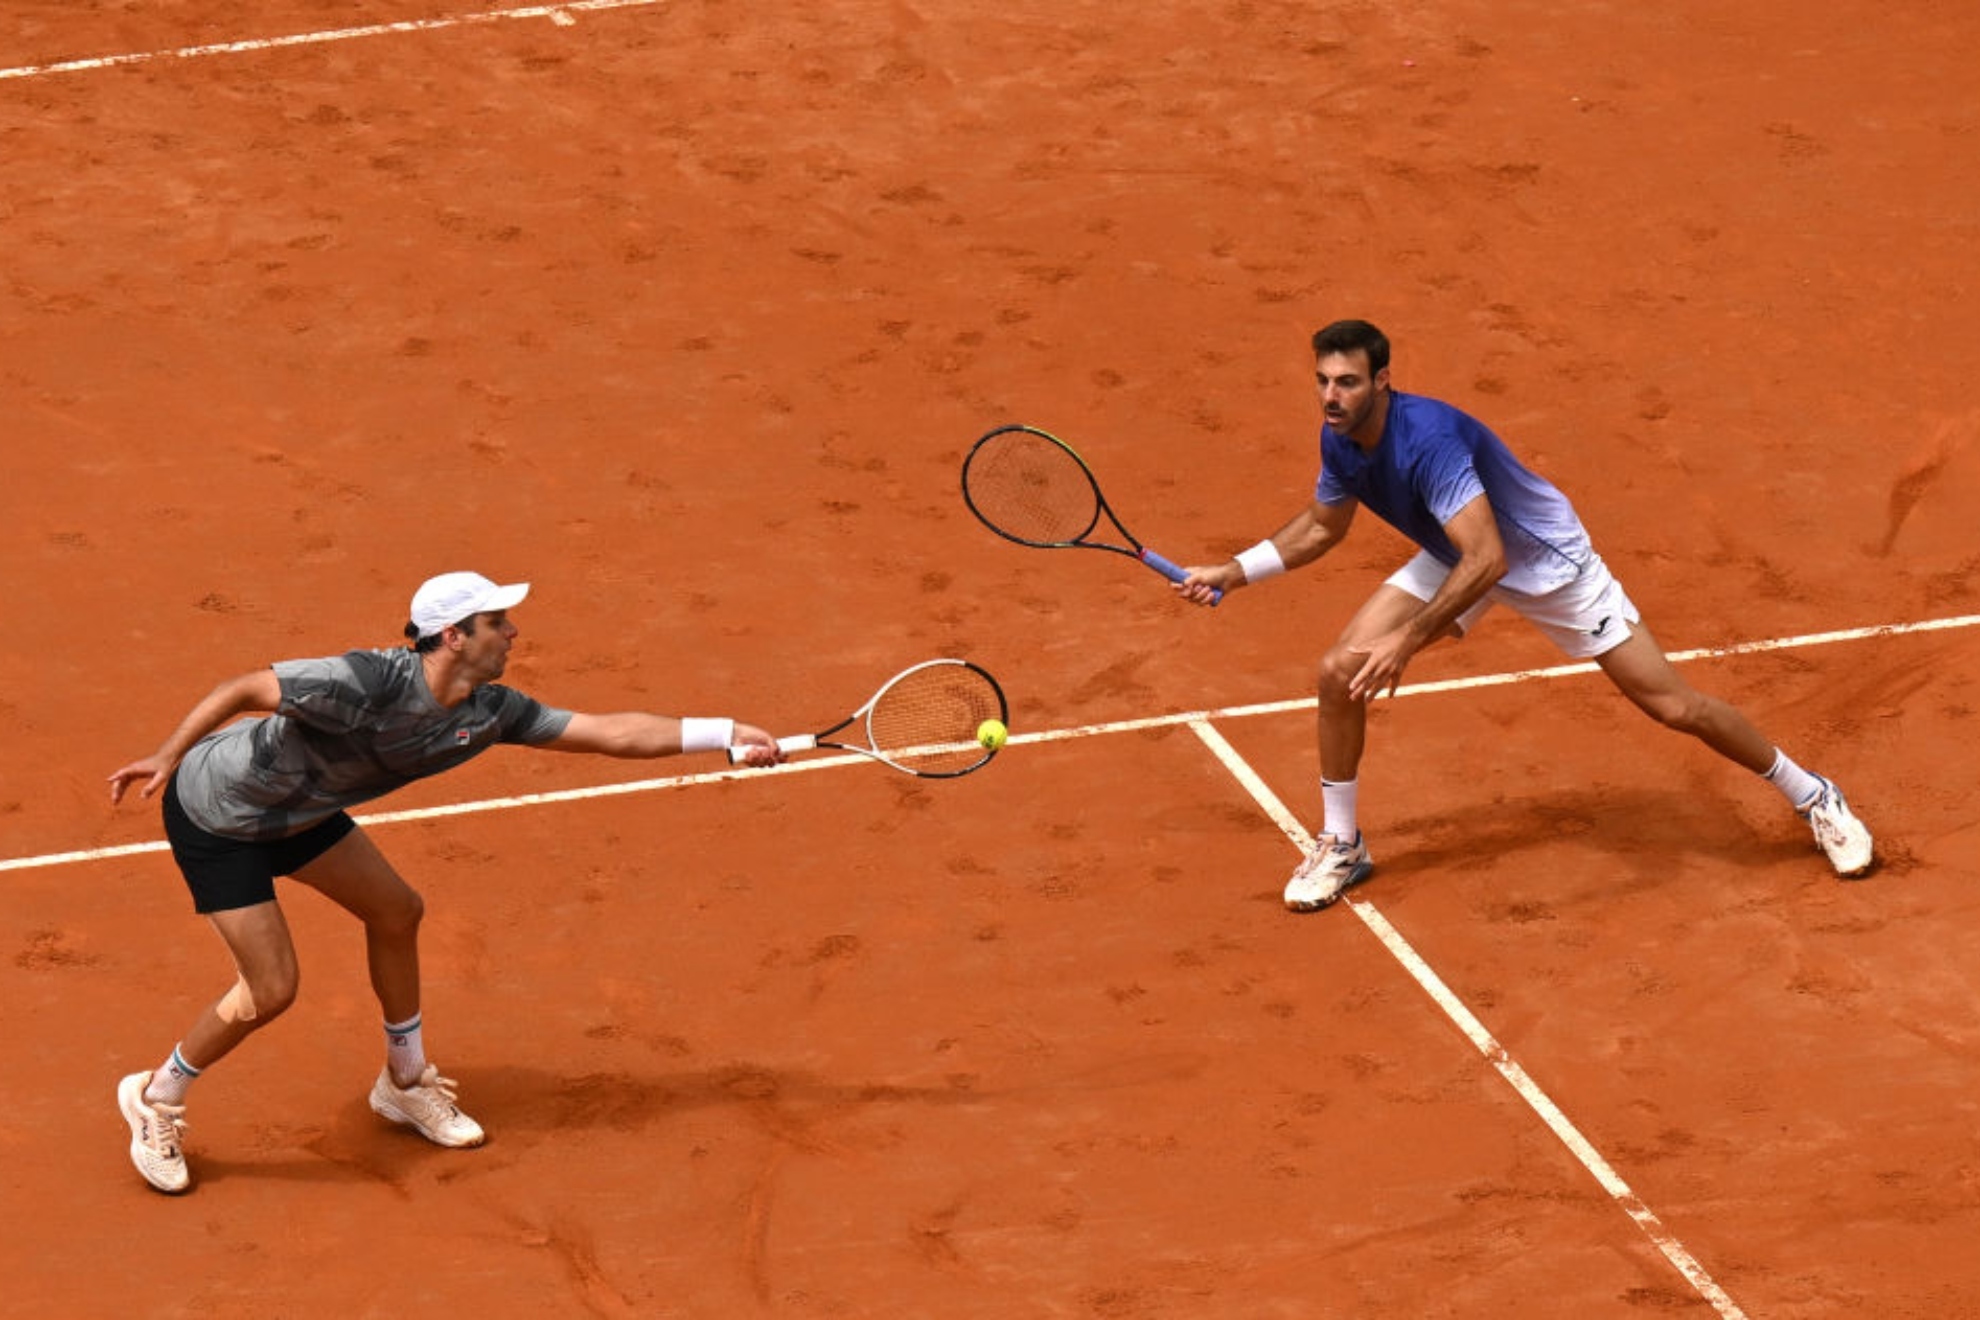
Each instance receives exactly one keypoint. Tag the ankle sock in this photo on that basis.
(1795, 784)
(405, 1051)
(1337, 805)
(170, 1080)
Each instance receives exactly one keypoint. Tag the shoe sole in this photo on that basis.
(1857, 871)
(138, 1151)
(1361, 871)
(1869, 863)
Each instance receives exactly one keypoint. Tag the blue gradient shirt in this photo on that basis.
(1431, 462)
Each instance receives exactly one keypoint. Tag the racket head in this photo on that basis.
(1029, 486)
(924, 719)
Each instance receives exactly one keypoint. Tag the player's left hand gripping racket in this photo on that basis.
(922, 721)
(1029, 486)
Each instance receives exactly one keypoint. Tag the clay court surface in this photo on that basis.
(687, 313)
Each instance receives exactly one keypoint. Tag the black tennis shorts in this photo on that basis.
(224, 873)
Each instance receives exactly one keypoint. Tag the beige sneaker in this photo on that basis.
(156, 1133)
(1329, 871)
(1838, 833)
(428, 1105)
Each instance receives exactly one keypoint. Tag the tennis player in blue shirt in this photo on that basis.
(1489, 532)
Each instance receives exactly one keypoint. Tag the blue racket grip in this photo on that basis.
(1173, 573)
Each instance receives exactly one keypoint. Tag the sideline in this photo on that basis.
(1050, 735)
(1495, 1054)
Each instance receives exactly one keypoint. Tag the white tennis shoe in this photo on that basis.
(428, 1106)
(1838, 832)
(157, 1132)
(1330, 870)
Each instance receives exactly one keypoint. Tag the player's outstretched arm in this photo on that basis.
(640, 736)
(1313, 531)
(256, 691)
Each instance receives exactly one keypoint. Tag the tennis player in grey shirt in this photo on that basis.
(247, 800)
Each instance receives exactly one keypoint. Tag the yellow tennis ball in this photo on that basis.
(992, 734)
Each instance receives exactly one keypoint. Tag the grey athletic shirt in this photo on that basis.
(350, 728)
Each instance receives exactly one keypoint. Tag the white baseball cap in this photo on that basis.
(444, 601)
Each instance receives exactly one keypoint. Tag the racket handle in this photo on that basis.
(1173, 573)
(797, 742)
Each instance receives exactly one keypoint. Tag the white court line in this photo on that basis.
(558, 14)
(485, 804)
(1467, 1022)
(1049, 735)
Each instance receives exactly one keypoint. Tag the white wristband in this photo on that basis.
(699, 735)
(1261, 561)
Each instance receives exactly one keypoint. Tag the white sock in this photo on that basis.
(405, 1051)
(170, 1080)
(1796, 785)
(1337, 803)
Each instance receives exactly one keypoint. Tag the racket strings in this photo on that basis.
(1031, 489)
(927, 719)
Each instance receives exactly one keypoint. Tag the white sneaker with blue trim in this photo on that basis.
(1838, 833)
(1330, 870)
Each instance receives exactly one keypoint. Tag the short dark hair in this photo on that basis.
(1350, 336)
(431, 642)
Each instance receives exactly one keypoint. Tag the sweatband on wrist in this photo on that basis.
(701, 735)
(1261, 561)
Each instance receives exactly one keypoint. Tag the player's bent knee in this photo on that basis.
(237, 1005)
(1337, 670)
(393, 908)
(405, 912)
(245, 1005)
(1683, 712)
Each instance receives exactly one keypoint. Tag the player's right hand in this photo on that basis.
(1206, 582)
(757, 746)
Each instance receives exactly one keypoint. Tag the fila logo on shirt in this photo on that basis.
(462, 737)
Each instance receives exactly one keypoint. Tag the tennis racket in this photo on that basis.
(922, 721)
(1029, 486)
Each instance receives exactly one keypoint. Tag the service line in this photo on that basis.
(561, 15)
(1047, 735)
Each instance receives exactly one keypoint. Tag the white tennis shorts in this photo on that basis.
(1585, 617)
